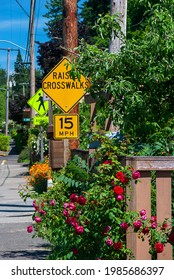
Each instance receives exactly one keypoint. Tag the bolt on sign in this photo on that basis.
(61, 88)
(66, 126)
(38, 103)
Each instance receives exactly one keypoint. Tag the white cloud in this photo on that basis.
(20, 23)
(6, 24)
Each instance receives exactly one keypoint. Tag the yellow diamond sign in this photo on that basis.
(61, 88)
(38, 104)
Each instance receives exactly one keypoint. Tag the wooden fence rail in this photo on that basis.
(141, 199)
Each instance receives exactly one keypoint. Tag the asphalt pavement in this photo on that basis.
(15, 215)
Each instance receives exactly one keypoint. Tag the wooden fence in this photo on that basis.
(141, 199)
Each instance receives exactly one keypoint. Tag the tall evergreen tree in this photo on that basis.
(20, 90)
(21, 77)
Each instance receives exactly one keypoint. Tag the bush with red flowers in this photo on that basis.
(87, 219)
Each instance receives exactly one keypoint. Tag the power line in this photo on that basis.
(22, 8)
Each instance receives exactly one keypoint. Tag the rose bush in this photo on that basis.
(90, 220)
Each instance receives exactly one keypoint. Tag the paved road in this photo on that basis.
(15, 214)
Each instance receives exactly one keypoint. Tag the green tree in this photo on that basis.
(21, 77)
(3, 78)
(51, 52)
(3, 81)
(2, 107)
(140, 77)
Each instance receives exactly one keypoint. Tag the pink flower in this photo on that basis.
(137, 224)
(109, 242)
(136, 175)
(79, 229)
(29, 229)
(106, 230)
(119, 197)
(153, 219)
(144, 217)
(35, 206)
(52, 202)
(66, 205)
(143, 212)
(42, 212)
(154, 225)
(65, 213)
(117, 245)
(37, 219)
(81, 200)
(159, 247)
(72, 206)
(124, 225)
(73, 197)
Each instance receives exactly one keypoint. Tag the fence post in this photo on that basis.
(163, 203)
(140, 198)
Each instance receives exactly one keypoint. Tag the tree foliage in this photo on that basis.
(2, 95)
(140, 77)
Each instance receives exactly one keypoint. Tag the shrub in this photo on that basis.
(4, 142)
(20, 136)
(91, 220)
(24, 156)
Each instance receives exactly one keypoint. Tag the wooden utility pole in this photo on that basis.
(117, 7)
(70, 42)
(60, 150)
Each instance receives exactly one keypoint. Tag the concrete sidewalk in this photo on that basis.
(16, 215)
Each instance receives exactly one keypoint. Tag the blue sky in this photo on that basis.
(14, 24)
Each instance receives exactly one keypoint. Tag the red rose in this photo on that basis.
(117, 245)
(108, 161)
(137, 224)
(159, 247)
(171, 237)
(124, 225)
(75, 251)
(118, 190)
(121, 177)
(73, 197)
(81, 200)
(145, 230)
(164, 226)
(72, 221)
